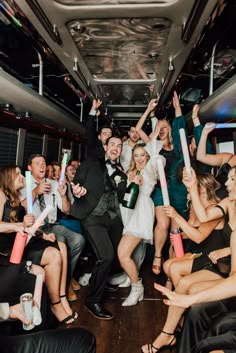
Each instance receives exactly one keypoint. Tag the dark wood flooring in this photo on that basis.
(132, 326)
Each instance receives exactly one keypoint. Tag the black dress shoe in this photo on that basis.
(98, 311)
(110, 287)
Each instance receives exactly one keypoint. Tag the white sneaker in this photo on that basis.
(126, 283)
(84, 280)
(117, 279)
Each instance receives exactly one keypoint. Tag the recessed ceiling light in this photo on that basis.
(153, 55)
(79, 29)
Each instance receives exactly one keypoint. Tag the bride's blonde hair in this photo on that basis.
(132, 163)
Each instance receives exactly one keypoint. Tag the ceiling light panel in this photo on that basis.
(124, 49)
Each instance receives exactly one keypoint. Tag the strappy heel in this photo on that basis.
(55, 303)
(156, 269)
(170, 346)
(74, 314)
(64, 322)
(151, 349)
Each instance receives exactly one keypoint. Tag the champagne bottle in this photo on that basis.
(131, 194)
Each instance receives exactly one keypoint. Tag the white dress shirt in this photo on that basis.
(52, 198)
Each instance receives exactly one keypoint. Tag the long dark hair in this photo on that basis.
(7, 185)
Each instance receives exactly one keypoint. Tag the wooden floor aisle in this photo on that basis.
(132, 326)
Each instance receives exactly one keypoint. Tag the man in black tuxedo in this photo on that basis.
(99, 185)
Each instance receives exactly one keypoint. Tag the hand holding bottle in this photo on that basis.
(131, 194)
(138, 179)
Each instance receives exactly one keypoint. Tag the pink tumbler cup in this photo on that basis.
(18, 248)
(176, 236)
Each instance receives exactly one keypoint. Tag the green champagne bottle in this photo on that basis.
(131, 194)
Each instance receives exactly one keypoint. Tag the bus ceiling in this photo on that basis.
(122, 52)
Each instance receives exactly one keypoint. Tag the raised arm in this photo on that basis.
(214, 160)
(176, 105)
(178, 123)
(197, 132)
(89, 124)
(195, 118)
(151, 106)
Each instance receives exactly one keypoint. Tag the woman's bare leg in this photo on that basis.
(175, 313)
(200, 286)
(160, 236)
(197, 281)
(125, 249)
(168, 263)
(180, 269)
(51, 261)
(64, 261)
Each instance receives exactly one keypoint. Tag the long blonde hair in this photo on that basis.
(132, 163)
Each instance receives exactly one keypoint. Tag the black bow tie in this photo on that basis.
(113, 164)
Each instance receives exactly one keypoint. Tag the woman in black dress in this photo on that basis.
(211, 239)
(200, 317)
(224, 161)
(209, 324)
(202, 238)
(44, 251)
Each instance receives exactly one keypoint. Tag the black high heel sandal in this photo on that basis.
(64, 322)
(74, 314)
(170, 346)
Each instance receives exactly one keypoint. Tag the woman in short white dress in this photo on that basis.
(138, 223)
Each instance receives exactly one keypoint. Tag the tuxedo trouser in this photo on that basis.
(104, 235)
